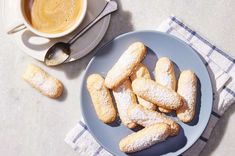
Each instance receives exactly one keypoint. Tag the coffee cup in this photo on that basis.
(51, 18)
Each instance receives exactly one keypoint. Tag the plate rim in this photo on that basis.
(136, 32)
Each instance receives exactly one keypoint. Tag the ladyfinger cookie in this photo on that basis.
(124, 98)
(42, 81)
(156, 93)
(101, 98)
(165, 75)
(187, 88)
(144, 138)
(145, 118)
(142, 71)
(125, 65)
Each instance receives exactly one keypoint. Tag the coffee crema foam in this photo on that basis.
(54, 16)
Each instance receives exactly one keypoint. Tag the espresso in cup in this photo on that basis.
(52, 16)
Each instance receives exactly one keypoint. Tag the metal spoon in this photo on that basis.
(60, 51)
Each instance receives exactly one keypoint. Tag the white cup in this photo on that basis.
(26, 24)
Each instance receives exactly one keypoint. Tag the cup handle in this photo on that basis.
(17, 29)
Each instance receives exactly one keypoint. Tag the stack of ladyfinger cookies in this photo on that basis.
(141, 100)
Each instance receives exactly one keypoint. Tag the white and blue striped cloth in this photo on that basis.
(220, 66)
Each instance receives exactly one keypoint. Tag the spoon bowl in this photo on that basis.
(57, 54)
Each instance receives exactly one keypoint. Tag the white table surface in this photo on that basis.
(32, 124)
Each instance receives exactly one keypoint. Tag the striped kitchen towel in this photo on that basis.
(220, 66)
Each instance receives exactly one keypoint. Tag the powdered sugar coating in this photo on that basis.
(142, 71)
(45, 83)
(125, 65)
(164, 73)
(101, 98)
(145, 118)
(124, 98)
(164, 79)
(187, 88)
(144, 138)
(156, 93)
(146, 104)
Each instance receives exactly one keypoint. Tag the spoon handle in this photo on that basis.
(110, 7)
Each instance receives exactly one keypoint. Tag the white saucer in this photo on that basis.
(36, 46)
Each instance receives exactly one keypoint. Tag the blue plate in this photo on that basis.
(159, 45)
